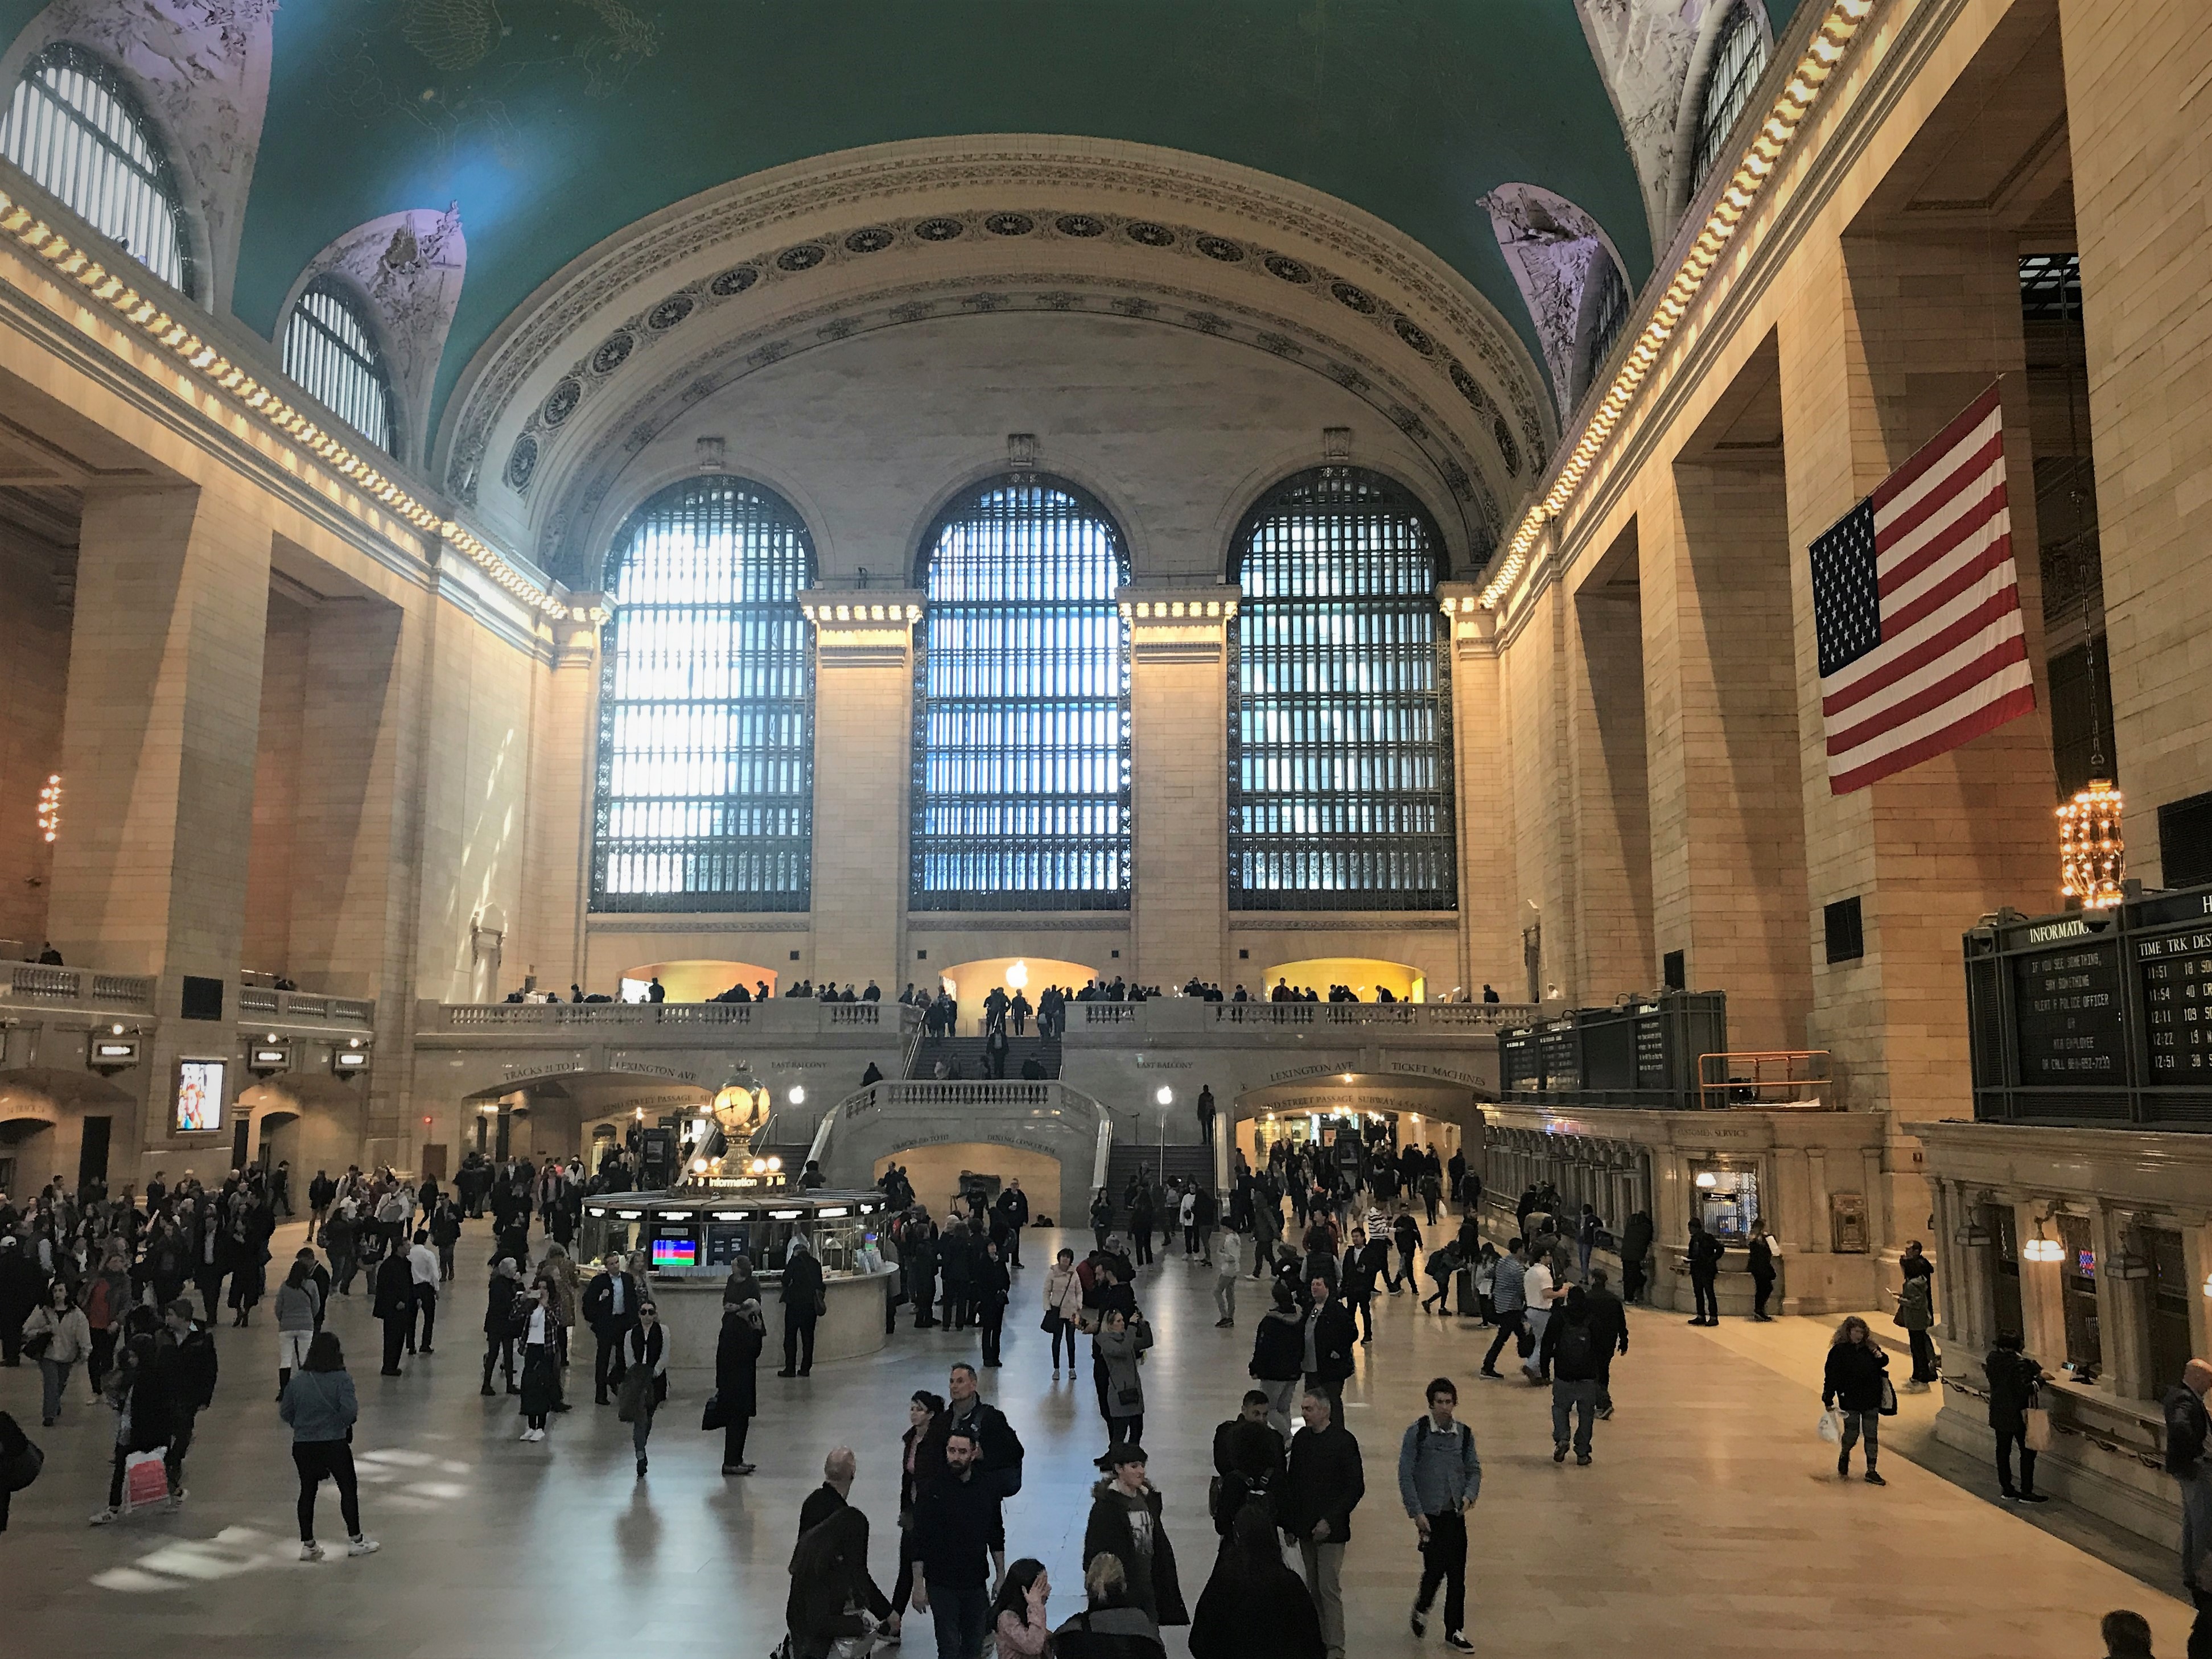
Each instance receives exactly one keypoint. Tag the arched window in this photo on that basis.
(1739, 59)
(75, 127)
(1340, 763)
(1021, 750)
(1604, 311)
(706, 783)
(329, 350)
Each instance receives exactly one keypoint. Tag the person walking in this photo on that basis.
(1063, 1308)
(541, 1369)
(57, 1335)
(992, 1285)
(422, 1268)
(1854, 1382)
(921, 1448)
(645, 1376)
(320, 1405)
(1277, 1356)
(137, 1394)
(737, 1360)
(1120, 1343)
(1635, 1253)
(1509, 1304)
(1916, 1316)
(185, 1356)
(609, 1308)
(803, 1302)
(1020, 1627)
(833, 1601)
(1406, 1234)
(395, 1306)
(2013, 1378)
(1252, 1606)
(2189, 1460)
(1228, 1268)
(1439, 1478)
(107, 1299)
(1248, 1462)
(1762, 1250)
(955, 1516)
(1330, 1338)
(1609, 1324)
(1704, 1264)
(1321, 1484)
(1126, 1523)
(299, 1311)
(1571, 1354)
(501, 1300)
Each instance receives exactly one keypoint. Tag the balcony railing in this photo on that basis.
(79, 987)
(792, 1015)
(303, 1007)
(1189, 1014)
(1791, 1080)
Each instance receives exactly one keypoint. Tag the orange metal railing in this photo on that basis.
(1783, 1079)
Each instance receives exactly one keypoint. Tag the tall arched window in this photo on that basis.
(75, 127)
(1598, 323)
(1021, 750)
(1339, 764)
(1739, 59)
(706, 783)
(330, 350)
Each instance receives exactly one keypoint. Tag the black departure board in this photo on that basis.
(2067, 1013)
(2174, 978)
(1650, 1053)
(1562, 1068)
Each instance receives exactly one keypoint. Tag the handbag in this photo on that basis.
(1052, 1322)
(635, 1399)
(1134, 1396)
(36, 1344)
(1888, 1399)
(2036, 1434)
(714, 1414)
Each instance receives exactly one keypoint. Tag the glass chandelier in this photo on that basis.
(2093, 850)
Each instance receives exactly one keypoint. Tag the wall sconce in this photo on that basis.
(2040, 1248)
(2126, 1262)
(1972, 1234)
(1707, 1179)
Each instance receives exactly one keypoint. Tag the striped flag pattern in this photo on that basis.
(1917, 601)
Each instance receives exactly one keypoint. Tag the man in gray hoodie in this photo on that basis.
(1438, 1477)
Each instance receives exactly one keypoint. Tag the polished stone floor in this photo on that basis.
(1711, 1520)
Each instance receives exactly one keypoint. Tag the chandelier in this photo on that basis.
(2092, 850)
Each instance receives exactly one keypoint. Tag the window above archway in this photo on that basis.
(76, 128)
(1340, 779)
(331, 351)
(1739, 59)
(1021, 786)
(706, 773)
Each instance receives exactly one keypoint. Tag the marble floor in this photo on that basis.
(1710, 1521)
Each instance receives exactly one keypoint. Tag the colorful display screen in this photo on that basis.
(675, 1250)
(199, 1096)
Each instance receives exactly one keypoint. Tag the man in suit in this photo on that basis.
(395, 1305)
(610, 1310)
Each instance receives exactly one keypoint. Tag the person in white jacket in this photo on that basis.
(1228, 1268)
(1063, 1308)
(59, 1335)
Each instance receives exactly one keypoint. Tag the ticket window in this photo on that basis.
(2077, 1284)
(727, 1240)
(1725, 1201)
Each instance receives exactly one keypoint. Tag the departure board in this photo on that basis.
(2174, 980)
(2067, 1013)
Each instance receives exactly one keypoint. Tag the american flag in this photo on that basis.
(1917, 600)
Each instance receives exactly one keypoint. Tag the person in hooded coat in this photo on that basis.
(737, 1353)
(1253, 1606)
(1123, 1506)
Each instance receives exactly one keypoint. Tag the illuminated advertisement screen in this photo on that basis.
(199, 1095)
(675, 1250)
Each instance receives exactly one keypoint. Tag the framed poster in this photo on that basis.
(199, 1096)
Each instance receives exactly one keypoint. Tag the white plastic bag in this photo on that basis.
(1831, 1427)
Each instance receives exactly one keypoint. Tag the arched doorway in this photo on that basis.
(695, 979)
(940, 1171)
(1368, 977)
(969, 982)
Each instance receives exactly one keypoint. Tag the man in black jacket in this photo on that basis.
(1705, 1259)
(2189, 1460)
(185, 1356)
(1248, 1457)
(1330, 1338)
(1570, 1352)
(499, 1321)
(1014, 1213)
(394, 1305)
(610, 1310)
(1609, 1325)
(802, 1306)
(1321, 1484)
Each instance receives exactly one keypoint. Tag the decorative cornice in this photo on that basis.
(1663, 310)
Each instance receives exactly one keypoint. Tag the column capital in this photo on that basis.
(1172, 623)
(862, 627)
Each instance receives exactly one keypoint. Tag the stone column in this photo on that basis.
(863, 765)
(564, 747)
(1489, 920)
(2134, 74)
(1611, 808)
(1179, 782)
(158, 750)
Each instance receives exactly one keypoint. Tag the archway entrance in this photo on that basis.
(1376, 1108)
(700, 980)
(969, 982)
(939, 1173)
(1368, 977)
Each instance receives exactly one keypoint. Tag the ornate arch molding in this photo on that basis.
(201, 72)
(1553, 247)
(406, 270)
(1644, 50)
(1104, 221)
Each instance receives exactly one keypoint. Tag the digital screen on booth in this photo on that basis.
(675, 1250)
(199, 1096)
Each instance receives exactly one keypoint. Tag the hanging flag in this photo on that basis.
(1917, 601)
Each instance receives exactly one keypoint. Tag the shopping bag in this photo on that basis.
(145, 1480)
(2037, 1436)
(1831, 1427)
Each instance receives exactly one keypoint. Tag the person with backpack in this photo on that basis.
(1439, 1476)
(1442, 1266)
(1571, 1353)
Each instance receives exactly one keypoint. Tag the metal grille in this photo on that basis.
(2050, 288)
(706, 783)
(1739, 60)
(329, 350)
(1021, 750)
(75, 127)
(1609, 311)
(1340, 724)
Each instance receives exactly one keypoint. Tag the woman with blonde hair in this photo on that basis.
(1112, 1626)
(1855, 1385)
